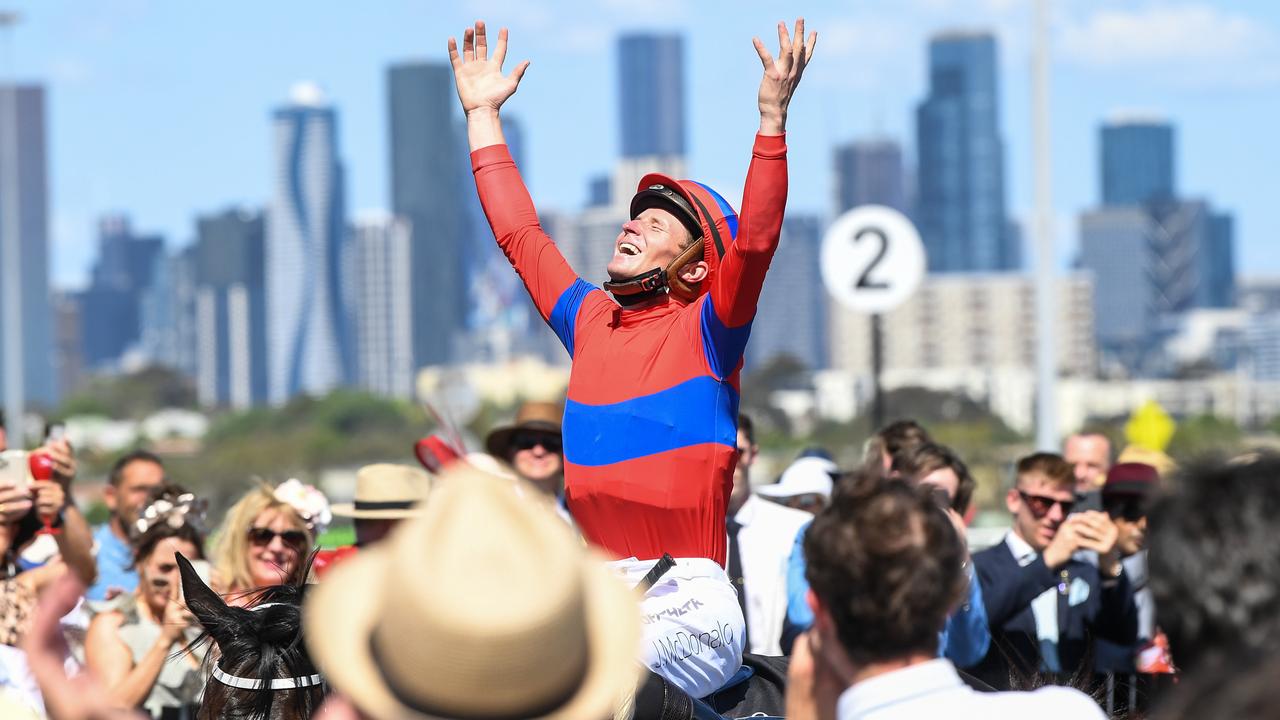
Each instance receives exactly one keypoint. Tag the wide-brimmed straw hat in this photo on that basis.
(386, 492)
(483, 607)
(536, 416)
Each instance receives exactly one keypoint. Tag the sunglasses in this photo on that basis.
(1131, 509)
(1040, 505)
(529, 441)
(263, 536)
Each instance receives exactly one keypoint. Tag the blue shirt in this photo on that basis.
(115, 564)
(964, 640)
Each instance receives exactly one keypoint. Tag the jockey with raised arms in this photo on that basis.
(650, 423)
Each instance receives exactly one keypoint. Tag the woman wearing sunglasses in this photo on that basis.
(265, 536)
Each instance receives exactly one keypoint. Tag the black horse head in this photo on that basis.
(262, 670)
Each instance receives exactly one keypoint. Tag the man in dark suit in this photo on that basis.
(1044, 606)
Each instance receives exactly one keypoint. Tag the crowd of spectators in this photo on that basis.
(872, 597)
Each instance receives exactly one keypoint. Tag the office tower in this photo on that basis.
(380, 285)
(306, 328)
(168, 315)
(428, 158)
(24, 249)
(870, 172)
(231, 309)
(651, 94)
(961, 202)
(1151, 262)
(68, 359)
(111, 310)
(1137, 161)
(791, 317)
(1115, 246)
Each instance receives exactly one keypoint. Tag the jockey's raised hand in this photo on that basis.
(782, 75)
(482, 88)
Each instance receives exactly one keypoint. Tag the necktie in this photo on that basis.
(735, 575)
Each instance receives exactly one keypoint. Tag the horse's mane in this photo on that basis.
(263, 644)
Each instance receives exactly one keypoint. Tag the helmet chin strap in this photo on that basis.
(658, 281)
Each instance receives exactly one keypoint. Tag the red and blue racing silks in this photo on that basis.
(650, 421)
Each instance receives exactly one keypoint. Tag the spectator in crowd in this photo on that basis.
(966, 637)
(805, 484)
(385, 495)
(1215, 572)
(451, 617)
(892, 442)
(131, 480)
(1045, 607)
(888, 444)
(761, 534)
(1125, 497)
(532, 446)
(135, 650)
(263, 538)
(1090, 456)
(886, 569)
(1215, 579)
(20, 590)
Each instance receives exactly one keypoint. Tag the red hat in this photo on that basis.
(703, 211)
(1131, 479)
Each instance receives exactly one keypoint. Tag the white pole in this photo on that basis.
(1046, 283)
(10, 245)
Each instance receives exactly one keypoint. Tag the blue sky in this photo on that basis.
(160, 108)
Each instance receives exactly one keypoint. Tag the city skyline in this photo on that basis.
(874, 73)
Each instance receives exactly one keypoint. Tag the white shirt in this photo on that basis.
(933, 689)
(764, 547)
(1045, 606)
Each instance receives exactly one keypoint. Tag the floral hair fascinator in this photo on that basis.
(311, 504)
(174, 511)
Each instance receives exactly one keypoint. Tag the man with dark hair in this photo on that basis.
(760, 537)
(1045, 607)
(886, 568)
(1215, 572)
(132, 477)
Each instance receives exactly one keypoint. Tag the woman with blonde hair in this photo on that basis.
(266, 536)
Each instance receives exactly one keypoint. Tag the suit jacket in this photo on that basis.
(1087, 609)
(764, 545)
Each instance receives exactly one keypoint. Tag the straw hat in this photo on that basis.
(385, 491)
(538, 416)
(483, 607)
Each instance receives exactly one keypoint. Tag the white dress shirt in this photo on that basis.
(933, 690)
(764, 547)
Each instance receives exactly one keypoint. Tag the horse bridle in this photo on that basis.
(244, 683)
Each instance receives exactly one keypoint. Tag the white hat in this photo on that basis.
(805, 476)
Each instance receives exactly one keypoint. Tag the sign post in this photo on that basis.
(872, 261)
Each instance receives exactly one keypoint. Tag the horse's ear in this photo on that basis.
(202, 601)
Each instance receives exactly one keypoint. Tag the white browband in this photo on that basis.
(257, 684)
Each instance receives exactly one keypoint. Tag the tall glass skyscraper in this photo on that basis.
(307, 351)
(428, 161)
(961, 209)
(869, 172)
(651, 94)
(1137, 161)
(231, 327)
(24, 237)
